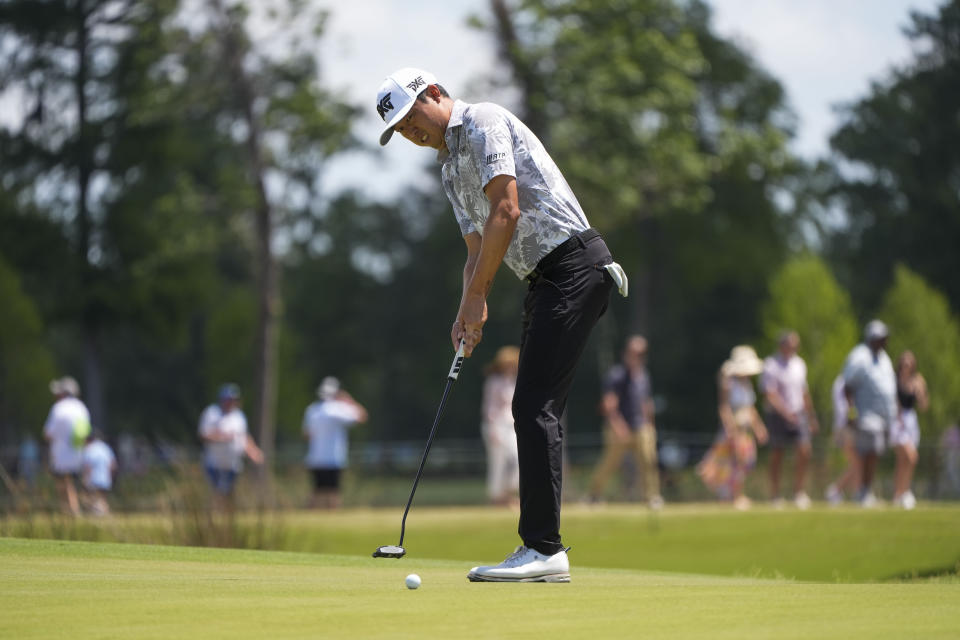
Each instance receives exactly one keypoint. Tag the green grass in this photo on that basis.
(823, 544)
(52, 589)
(827, 545)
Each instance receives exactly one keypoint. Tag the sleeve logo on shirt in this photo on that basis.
(493, 157)
(384, 106)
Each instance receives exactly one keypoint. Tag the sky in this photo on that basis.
(824, 52)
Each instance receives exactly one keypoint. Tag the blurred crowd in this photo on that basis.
(875, 409)
(876, 405)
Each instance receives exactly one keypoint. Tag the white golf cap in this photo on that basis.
(328, 388)
(65, 386)
(396, 95)
(875, 330)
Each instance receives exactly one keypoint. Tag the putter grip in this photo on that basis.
(457, 362)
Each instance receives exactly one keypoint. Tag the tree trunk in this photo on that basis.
(265, 372)
(92, 375)
(531, 85)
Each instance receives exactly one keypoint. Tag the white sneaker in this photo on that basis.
(525, 565)
(869, 501)
(778, 503)
(802, 500)
(906, 500)
(834, 496)
(656, 503)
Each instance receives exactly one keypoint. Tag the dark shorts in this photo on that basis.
(222, 480)
(67, 474)
(326, 478)
(784, 434)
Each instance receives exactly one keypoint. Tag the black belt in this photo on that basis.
(579, 239)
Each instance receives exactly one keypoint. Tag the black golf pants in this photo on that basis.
(568, 293)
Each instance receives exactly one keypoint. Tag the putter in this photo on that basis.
(397, 551)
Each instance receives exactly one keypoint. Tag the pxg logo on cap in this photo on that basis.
(396, 95)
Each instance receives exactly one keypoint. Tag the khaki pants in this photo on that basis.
(642, 444)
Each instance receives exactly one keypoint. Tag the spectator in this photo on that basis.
(499, 436)
(950, 458)
(99, 467)
(223, 429)
(325, 425)
(67, 426)
(871, 388)
(843, 438)
(905, 429)
(628, 409)
(789, 415)
(28, 460)
(725, 466)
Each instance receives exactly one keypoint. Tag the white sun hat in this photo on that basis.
(743, 361)
(396, 95)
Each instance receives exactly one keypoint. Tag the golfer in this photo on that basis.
(514, 206)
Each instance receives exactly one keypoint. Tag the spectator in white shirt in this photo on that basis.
(871, 388)
(99, 467)
(843, 438)
(223, 429)
(325, 425)
(66, 427)
(789, 415)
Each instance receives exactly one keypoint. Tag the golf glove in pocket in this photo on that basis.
(616, 272)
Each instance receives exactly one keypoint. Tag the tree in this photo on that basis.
(92, 153)
(805, 297)
(26, 365)
(897, 175)
(280, 100)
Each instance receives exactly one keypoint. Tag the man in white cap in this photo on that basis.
(66, 429)
(871, 388)
(514, 206)
(325, 424)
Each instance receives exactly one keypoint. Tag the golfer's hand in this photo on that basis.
(472, 316)
(456, 333)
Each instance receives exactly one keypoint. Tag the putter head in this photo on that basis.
(389, 551)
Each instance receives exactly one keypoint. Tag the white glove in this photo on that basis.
(616, 272)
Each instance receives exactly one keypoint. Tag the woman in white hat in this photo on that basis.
(724, 469)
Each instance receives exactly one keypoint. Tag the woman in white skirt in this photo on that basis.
(503, 470)
(905, 430)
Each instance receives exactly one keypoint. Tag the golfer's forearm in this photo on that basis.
(468, 269)
(497, 233)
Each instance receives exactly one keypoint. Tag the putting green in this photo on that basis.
(55, 589)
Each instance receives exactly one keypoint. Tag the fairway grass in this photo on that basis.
(106, 590)
(825, 545)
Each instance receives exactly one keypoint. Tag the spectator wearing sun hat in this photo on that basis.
(870, 384)
(223, 429)
(725, 466)
(325, 425)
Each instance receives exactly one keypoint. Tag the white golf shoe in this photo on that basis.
(525, 565)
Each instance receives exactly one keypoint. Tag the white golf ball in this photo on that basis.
(412, 581)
